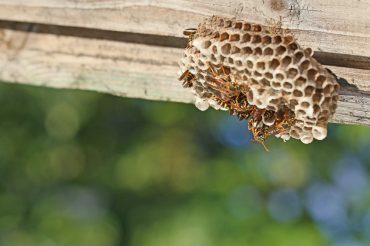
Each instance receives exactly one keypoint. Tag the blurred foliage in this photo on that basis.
(82, 168)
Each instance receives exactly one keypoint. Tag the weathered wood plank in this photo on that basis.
(337, 26)
(132, 70)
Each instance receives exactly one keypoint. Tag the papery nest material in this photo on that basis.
(259, 74)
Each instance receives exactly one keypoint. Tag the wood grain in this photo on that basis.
(132, 70)
(337, 26)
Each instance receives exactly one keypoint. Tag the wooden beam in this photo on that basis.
(336, 26)
(132, 70)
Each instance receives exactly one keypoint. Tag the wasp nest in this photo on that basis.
(260, 74)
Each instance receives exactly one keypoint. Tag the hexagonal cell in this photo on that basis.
(225, 49)
(328, 89)
(311, 73)
(298, 56)
(305, 65)
(257, 74)
(320, 80)
(246, 50)
(294, 134)
(277, 40)
(228, 23)
(201, 63)
(308, 91)
(235, 50)
(250, 64)
(293, 103)
(293, 46)
(300, 82)
(307, 128)
(276, 85)
(297, 93)
(305, 105)
(220, 22)
(333, 107)
(280, 50)
(253, 81)
(224, 36)
(246, 71)
(268, 118)
(286, 61)
(269, 75)
(292, 73)
(256, 28)
(288, 39)
(213, 58)
(258, 51)
(260, 91)
(274, 101)
(256, 39)
(238, 25)
(265, 82)
(199, 89)
(279, 76)
(316, 98)
(308, 52)
(214, 49)
(300, 114)
(266, 40)
(259, 103)
(247, 27)
(324, 113)
(316, 109)
(206, 44)
(201, 104)
(261, 66)
(274, 63)
(239, 63)
(246, 38)
(234, 37)
(319, 132)
(326, 102)
(268, 51)
(287, 85)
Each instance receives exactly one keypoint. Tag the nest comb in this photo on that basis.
(260, 74)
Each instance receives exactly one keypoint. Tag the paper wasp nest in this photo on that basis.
(260, 74)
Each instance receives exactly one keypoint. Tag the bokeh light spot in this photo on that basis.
(285, 205)
(62, 121)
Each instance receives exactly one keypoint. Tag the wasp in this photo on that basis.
(187, 79)
(284, 121)
(190, 33)
(221, 82)
(260, 136)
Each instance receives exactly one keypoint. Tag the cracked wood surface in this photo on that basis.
(132, 70)
(336, 26)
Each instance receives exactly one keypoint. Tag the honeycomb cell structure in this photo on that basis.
(278, 77)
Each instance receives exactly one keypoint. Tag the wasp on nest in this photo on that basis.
(259, 75)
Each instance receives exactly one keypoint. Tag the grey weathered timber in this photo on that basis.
(132, 70)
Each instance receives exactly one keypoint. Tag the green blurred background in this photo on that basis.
(82, 168)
